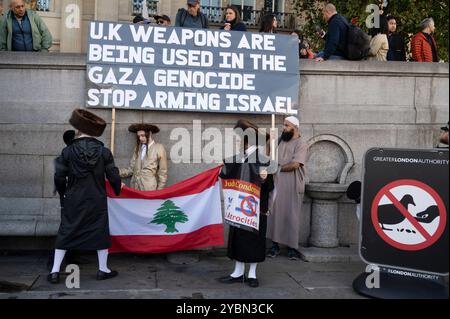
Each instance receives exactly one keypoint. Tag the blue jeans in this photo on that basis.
(332, 57)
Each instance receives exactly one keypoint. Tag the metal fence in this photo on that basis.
(250, 17)
(152, 6)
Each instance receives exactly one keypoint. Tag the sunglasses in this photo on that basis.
(160, 22)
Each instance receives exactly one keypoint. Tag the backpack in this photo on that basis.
(358, 43)
(184, 14)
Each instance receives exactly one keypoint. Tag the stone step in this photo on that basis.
(329, 255)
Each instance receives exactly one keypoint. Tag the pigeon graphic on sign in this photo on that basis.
(389, 214)
(414, 212)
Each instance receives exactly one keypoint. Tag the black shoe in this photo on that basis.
(53, 278)
(274, 251)
(253, 282)
(293, 254)
(231, 280)
(101, 275)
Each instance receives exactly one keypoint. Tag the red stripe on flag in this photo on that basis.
(191, 186)
(208, 236)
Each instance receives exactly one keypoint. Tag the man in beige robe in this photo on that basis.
(284, 220)
(148, 165)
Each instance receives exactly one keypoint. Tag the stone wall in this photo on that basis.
(359, 104)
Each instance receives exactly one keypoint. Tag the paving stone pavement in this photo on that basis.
(23, 276)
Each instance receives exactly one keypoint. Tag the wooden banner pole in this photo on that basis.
(272, 138)
(113, 129)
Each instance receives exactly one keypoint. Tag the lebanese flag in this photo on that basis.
(184, 216)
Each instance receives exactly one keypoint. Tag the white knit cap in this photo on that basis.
(293, 120)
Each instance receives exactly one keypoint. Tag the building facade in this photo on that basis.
(68, 20)
(346, 108)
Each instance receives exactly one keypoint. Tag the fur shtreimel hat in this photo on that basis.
(143, 127)
(87, 122)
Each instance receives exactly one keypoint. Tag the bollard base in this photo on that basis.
(401, 287)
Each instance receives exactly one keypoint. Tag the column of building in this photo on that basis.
(71, 26)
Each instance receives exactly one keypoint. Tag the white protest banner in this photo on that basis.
(241, 202)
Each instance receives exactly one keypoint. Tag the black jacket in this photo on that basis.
(243, 245)
(249, 247)
(396, 48)
(336, 37)
(80, 174)
(237, 26)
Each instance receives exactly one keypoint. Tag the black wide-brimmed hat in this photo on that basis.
(246, 124)
(87, 122)
(143, 127)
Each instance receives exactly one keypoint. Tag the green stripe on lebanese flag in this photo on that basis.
(184, 216)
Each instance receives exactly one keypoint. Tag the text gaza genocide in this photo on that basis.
(199, 38)
(151, 76)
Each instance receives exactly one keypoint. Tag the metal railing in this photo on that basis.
(152, 6)
(40, 5)
(250, 17)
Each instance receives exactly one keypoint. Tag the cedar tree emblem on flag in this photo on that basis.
(169, 214)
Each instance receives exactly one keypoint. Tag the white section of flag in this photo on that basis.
(134, 216)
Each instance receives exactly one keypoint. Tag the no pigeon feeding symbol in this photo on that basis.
(408, 215)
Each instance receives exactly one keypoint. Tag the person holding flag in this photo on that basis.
(252, 167)
(80, 180)
(68, 138)
(148, 165)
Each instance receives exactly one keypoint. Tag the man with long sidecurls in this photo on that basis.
(148, 165)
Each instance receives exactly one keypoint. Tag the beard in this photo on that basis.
(287, 136)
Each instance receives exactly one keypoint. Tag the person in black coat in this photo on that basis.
(246, 246)
(71, 256)
(80, 174)
(396, 42)
(233, 20)
(336, 37)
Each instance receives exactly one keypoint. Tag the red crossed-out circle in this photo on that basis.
(430, 239)
(251, 203)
